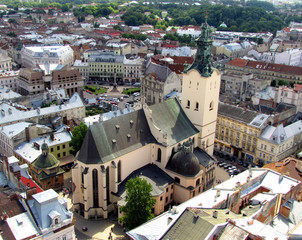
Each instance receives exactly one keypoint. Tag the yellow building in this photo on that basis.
(58, 144)
(105, 67)
(237, 131)
(277, 143)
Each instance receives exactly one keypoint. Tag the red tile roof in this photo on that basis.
(286, 167)
(297, 87)
(170, 46)
(237, 62)
(286, 29)
(30, 183)
(280, 68)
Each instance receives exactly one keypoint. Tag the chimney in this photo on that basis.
(52, 137)
(169, 220)
(30, 192)
(27, 134)
(215, 213)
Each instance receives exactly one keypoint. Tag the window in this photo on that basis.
(63, 146)
(56, 221)
(64, 237)
(199, 189)
(95, 188)
(194, 193)
(197, 106)
(167, 189)
(161, 198)
(211, 106)
(188, 103)
(197, 181)
(58, 147)
(171, 196)
(51, 149)
(158, 155)
(59, 155)
(64, 154)
(166, 199)
(119, 171)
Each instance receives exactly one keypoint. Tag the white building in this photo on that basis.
(178, 51)
(83, 67)
(291, 57)
(57, 54)
(133, 69)
(5, 62)
(73, 109)
(189, 31)
(290, 96)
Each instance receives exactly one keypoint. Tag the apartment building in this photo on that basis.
(289, 95)
(263, 70)
(5, 62)
(237, 131)
(38, 80)
(46, 54)
(106, 67)
(133, 70)
(72, 109)
(277, 143)
(9, 79)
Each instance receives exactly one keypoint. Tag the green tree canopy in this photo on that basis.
(77, 138)
(139, 203)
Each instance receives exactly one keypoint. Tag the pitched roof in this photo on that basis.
(237, 113)
(162, 72)
(153, 174)
(238, 62)
(286, 167)
(280, 68)
(108, 140)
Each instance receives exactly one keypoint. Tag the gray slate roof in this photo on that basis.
(153, 175)
(161, 72)
(237, 113)
(108, 140)
(44, 203)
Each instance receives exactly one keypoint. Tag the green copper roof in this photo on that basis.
(47, 161)
(203, 59)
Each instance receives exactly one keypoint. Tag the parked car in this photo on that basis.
(227, 166)
(137, 84)
(221, 164)
(126, 96)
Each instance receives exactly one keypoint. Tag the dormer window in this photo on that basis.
(56, 220)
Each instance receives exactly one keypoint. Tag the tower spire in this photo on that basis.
(203, 59)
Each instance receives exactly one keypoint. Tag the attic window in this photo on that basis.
(113, 141)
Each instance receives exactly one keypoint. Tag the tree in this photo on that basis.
(139, 203)
(12, 20)
(77, 138)
(12, 34)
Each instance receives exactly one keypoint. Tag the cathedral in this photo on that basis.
(170, 144)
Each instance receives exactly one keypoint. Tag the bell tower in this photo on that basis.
(200, 91)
